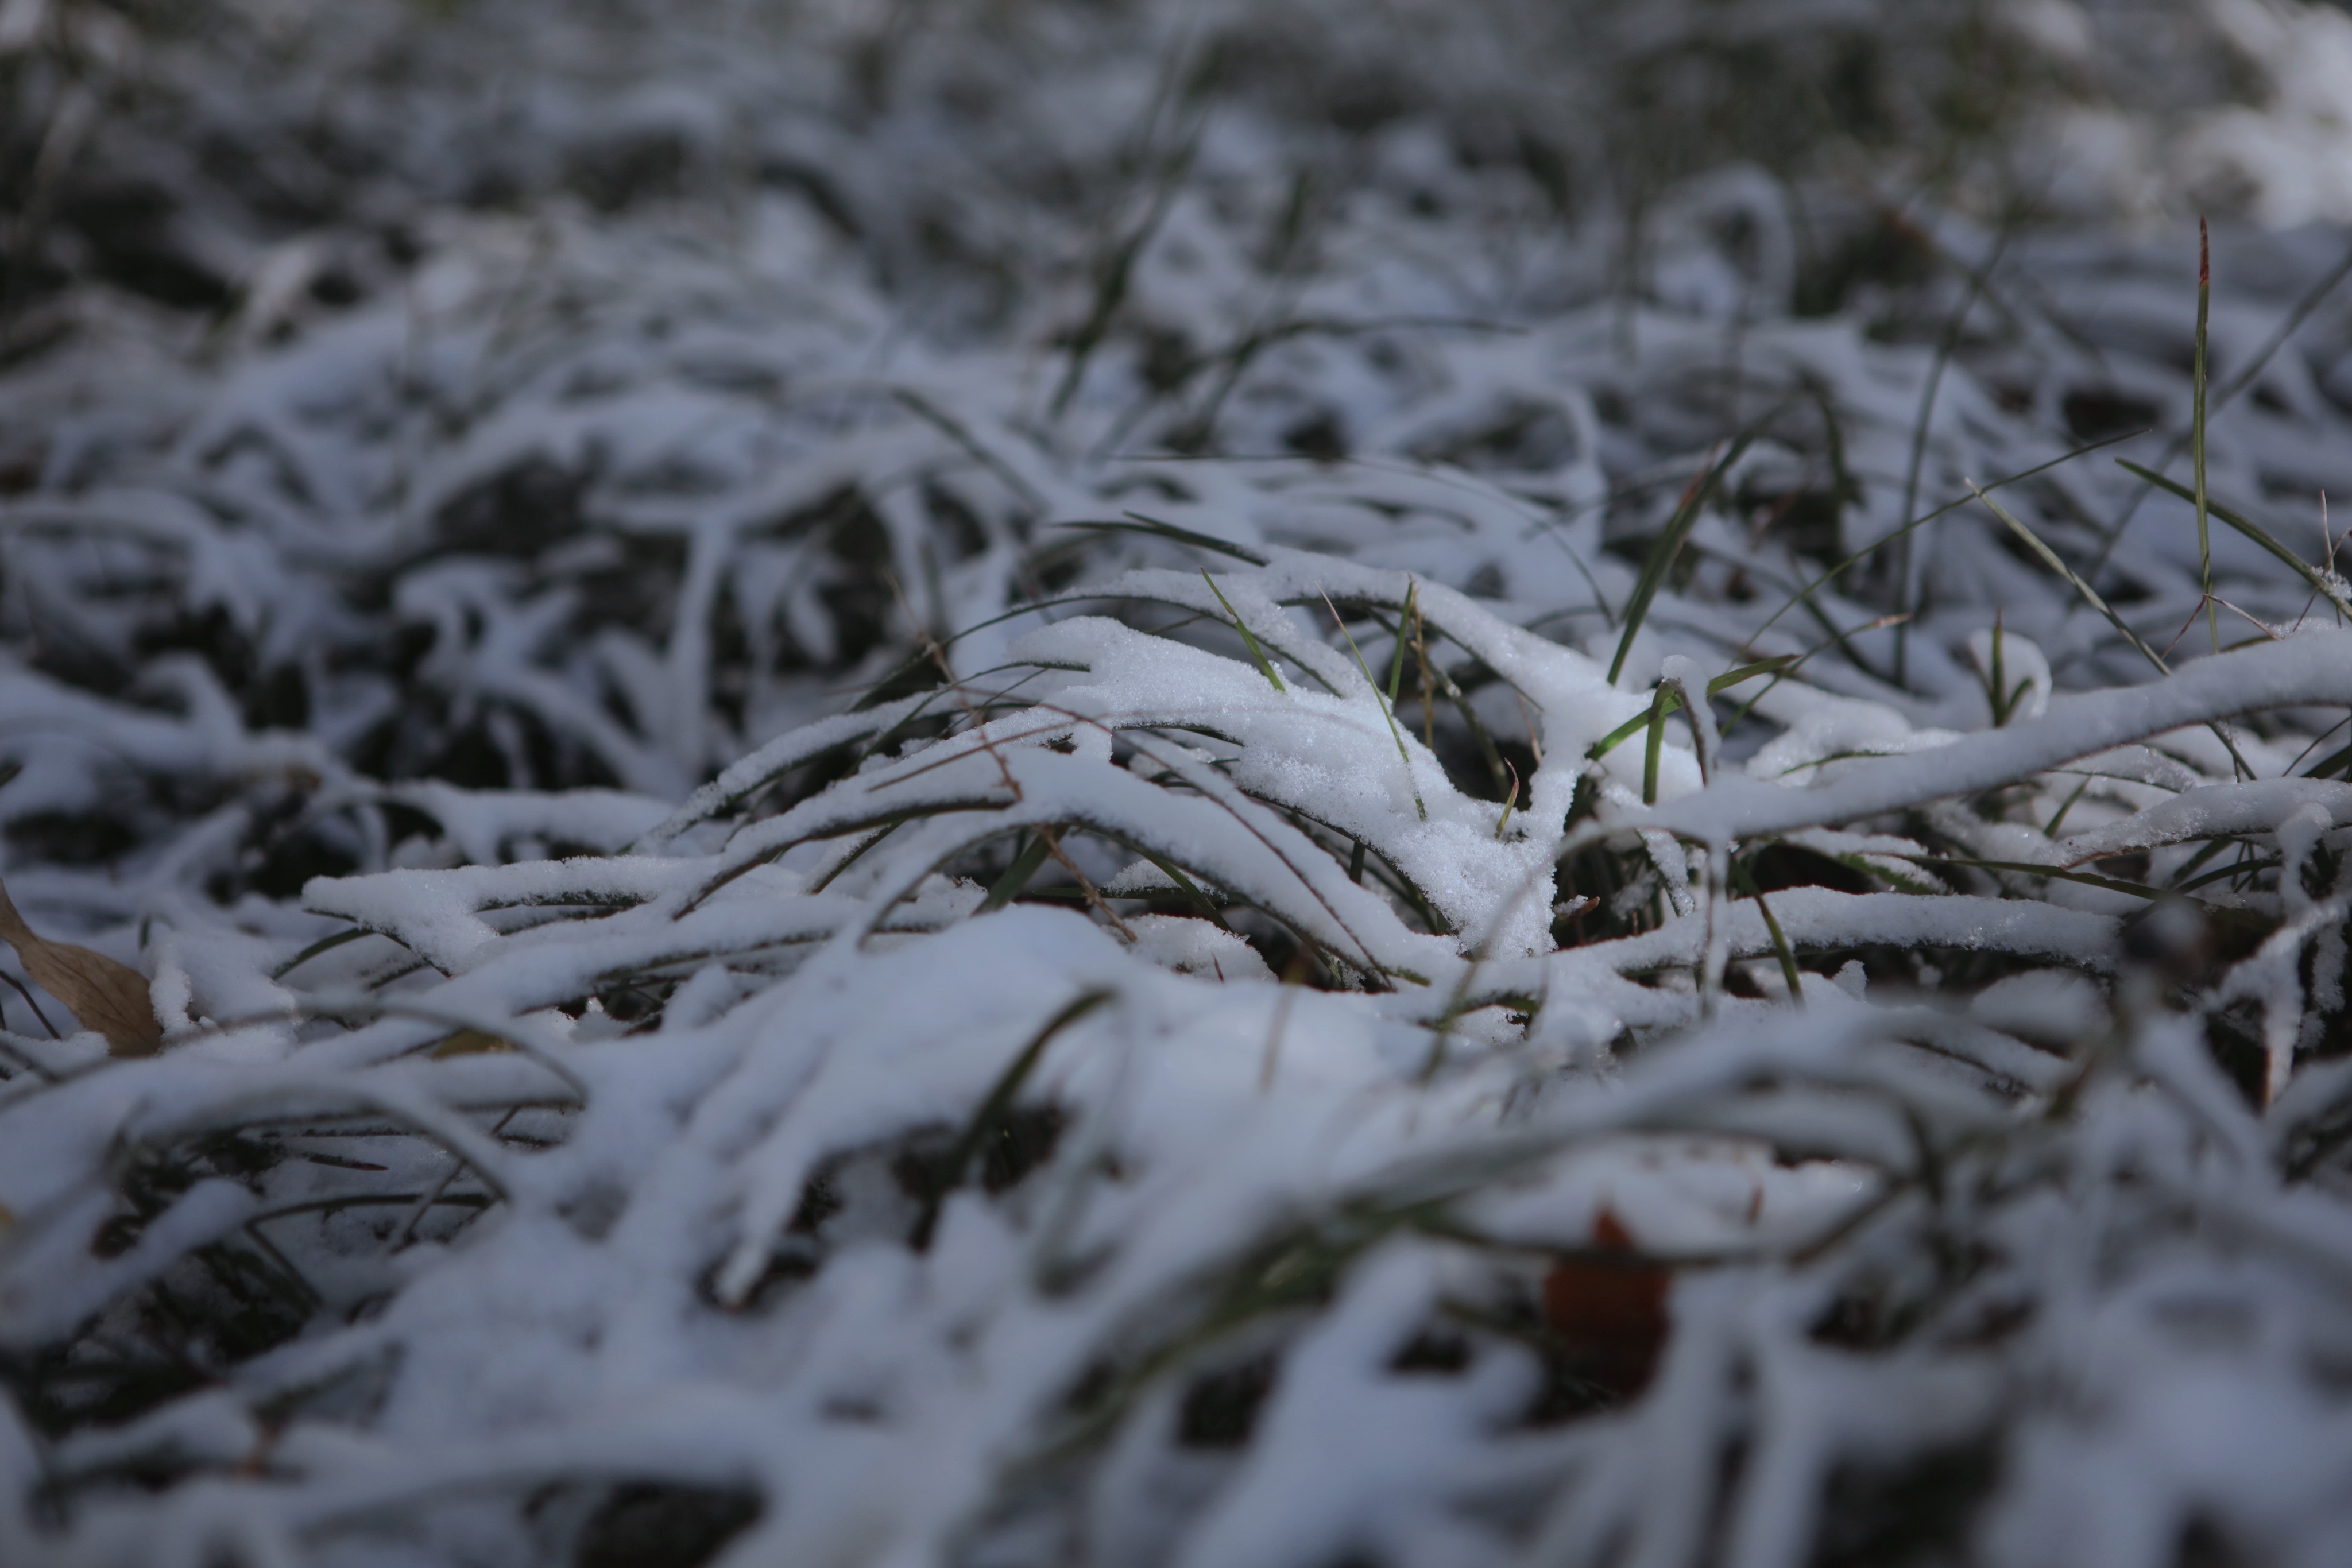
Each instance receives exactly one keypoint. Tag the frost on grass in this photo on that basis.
(1069, 785)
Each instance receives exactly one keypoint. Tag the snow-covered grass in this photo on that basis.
(1040, 784)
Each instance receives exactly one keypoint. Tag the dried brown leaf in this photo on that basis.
(104, 994)
(470, 1042)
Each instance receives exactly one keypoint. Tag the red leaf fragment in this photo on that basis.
(1609, 1308)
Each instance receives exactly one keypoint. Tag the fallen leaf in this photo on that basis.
(1609, 1308)
(108, 996)
(470, 1042)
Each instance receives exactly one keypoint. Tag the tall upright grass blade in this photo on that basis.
(1661, 705)
(2197, 429)
(1661, 559)
(1979, 280)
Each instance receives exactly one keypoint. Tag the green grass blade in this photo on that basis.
(1396, 660)
(1138, 523)
(328, 944)
(2320, 584)
(2336, 761)
(2090, 597)
(1660, 707)
(1016, 875)
(1715, 688)
(1787, 955)
(1264, 665)
(2050, 558)
(1402, 755)
(2197, 429)
(2028, 868)
(1805, 595)
(1670, 546)
(949, 1173)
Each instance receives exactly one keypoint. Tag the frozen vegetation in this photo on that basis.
(1005, 783)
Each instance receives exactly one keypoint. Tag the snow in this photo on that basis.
(654, 623)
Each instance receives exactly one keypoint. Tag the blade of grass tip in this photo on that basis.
(1143, 523)
(1435, 682)
(2090, 596)
(2050, 558)
(2254, 531)
(2315, 295)
(323, 944)
(1187, 886)
(1780, 949)
(2197, 429)
(1402, 756)
(2331, 763)
(1016, 875)
(2030, 868)
(948, 1174)
(1715, 688)
(1509, 801)
(1659, 709)
(1837, 640)
(1948, 345)
(1662, 554)
(19, 986)
(1264, 667)
(1396, 660)
(1830, 574)
(2049, 829)
(1999, 679)
(1730, 678)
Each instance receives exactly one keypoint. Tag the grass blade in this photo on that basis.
(2197, 429)
(1264, 667)
(1402, 756)
(1411, 616)
(2050, 558)
(949, 1173)
(1016, 875)
(1715, 688)
(1780, 949)
(1670, 546)
(1138, 523)
(1660, 707)
(2331, 592)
